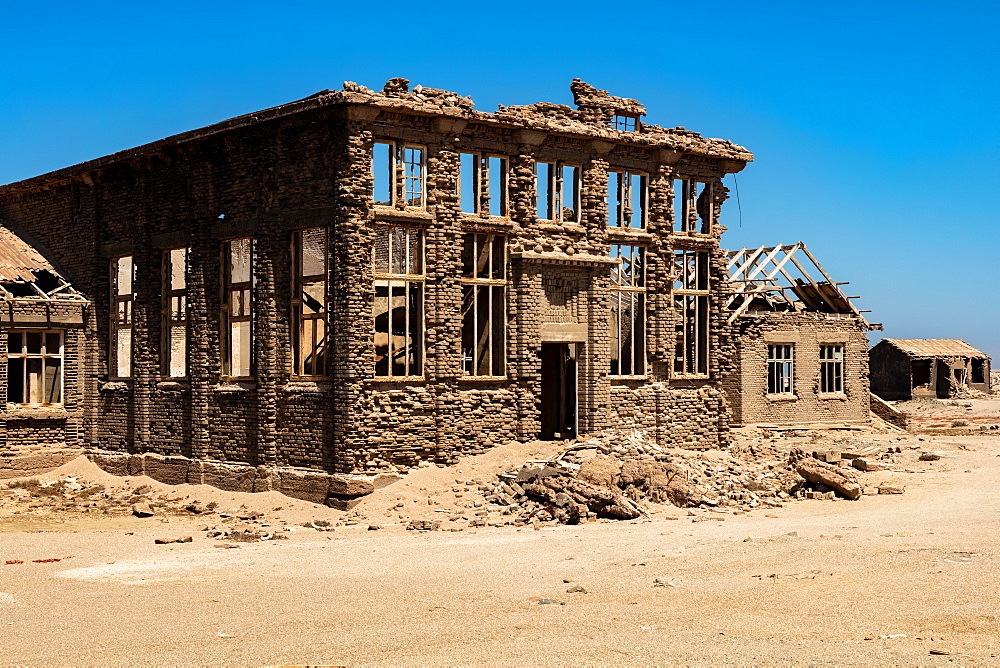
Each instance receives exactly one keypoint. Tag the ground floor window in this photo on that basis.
(399, 301)
(780, 368)
(831, 368)
(35, 367)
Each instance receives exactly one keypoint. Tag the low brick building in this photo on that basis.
(363, 278)
(904, 369)
(800, 354)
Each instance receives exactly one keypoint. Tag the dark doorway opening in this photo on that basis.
(920, 373)
(943, 380)
(558, 400)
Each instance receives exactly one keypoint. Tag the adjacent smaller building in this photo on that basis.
(799, 349)
(938, 368)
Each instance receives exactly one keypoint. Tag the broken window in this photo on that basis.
(399, 301)
(780, 367)
(398, 174)
(175, 313)
(691, 301)
(483, 184)
(627, 199)
(237, 315)
(557, 192)
(34, 367)
(624, 122)
(122, 275)
(693, 207)
(309, 331)
(628, 311)
(831, 368)
(484, 305)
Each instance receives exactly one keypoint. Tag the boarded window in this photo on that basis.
(626, 199)
(484, 306)
(309, 301)
(831, 368)
(557, 192)
(398, 176)
(175, 332)
(34, 367)
(780, 369)
(399, 301)
(628, 311)
(694, 207)
(120, 353)
(483, 184)
(237, 316)
(691, 303)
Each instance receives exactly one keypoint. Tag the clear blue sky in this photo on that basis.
(874, 124)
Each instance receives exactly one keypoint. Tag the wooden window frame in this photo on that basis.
(482, 178)
(121, 319)
(494, 285)
(692, 217)
(308, 321)
(831, 368)
(629, 285)
(411, 284)
(175, 313)
(621, 199)
(228, 319)
(407, 179)
(555, 191)
(692, 301)
(780, 370)
(44, 355)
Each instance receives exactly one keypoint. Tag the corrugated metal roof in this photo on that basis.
(936, 348)
(18, 260)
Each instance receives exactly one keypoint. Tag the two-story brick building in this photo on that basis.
(362, 278)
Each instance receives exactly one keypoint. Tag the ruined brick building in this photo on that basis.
(927, 368)
(361, 278)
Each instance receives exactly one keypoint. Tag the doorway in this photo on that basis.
(559, 400)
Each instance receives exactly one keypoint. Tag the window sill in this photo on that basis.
(831, 396)
(36, 412)
(690, 376)
(642, 377)
(234, 386)
(483, 379)
(173, 385)
(781, 397)
(399, 379)
(555, 226)
(115, 385)
(307, 387)
(410, 213)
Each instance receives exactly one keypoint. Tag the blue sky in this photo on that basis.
(874, 124)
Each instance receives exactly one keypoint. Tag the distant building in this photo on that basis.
(913, 368)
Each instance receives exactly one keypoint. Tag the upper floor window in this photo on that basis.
(120, 350)
(627, 199)
(625, 122)
(175, 332)
(484, 304)
(398, 172)
(557, 192)
(831, 368)
(34, 367)
(628, 311)
(237, 308)
(309, 329)
(691, 304)
(399, 301)
(483, 184)
(693, 207)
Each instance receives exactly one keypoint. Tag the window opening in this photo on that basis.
(978, 371)
(625, 122)
(626, 199)
(628, 311)
(780, 368)
(309, 331)
(483, 185)
(693, 206)
(831, 368)
(398, 174)
(691, 302)
(399, 301)
(484, 305)
(122, 278)
(557, 191)
(35, 367)
(175, 331)
(237, 308)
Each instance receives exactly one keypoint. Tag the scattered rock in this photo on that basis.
(167, 541)
(576, 589)
(890, 489)
(142, 510)
(929, 456)
(550, 601)
(820, 473)
(423, 525)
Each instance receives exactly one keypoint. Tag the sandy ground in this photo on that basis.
(888, 579)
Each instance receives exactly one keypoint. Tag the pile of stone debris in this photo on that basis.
(619, 474)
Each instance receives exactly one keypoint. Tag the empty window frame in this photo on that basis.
(483, 184)
(831, 369)
(237, 308)
(628, 311)
(625, 122)
(627, 199)
(692, 304)
(309, 310)
(398, 171)
(557, 192)
(693, 207)
(35, 367)
(175, 331)
(781, 368)
(484, 304)
(399, 301)
(120, 349)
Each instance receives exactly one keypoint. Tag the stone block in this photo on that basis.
(266, 480)
(347, 486)
(311, 486)
(115, 463)
(136, 465)
(168, 470)
(229, 477)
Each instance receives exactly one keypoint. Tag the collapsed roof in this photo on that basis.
(785, 278)
(936, 348)
(26, 274)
